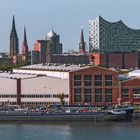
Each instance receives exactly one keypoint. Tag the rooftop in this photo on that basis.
(56, 67)
(16, 75)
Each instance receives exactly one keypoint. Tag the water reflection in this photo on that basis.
(71, 131)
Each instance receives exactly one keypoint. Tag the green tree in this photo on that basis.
(62, 97)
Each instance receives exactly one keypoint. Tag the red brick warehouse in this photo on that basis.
(94, 86)
(130, 91)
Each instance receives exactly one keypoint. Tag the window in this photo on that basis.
(77, 91)
(88, 91)
(77, 80)
(124, 92)
(108, 80)
(108, 98)
(98, 80)
(98, 91)
(98, 83)
(108, 91)
(88, 98)
(108, 83)
(77, 98)
(88, 94)
(87, 77)
(108, 77)
(98, 98)
(98, 95)
(8, 96)
(77, 77)
(88, 80)
(98, 77)
(136, 93)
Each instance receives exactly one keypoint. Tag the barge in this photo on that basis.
(107, 115)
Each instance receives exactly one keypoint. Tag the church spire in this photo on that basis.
(13, 24)
(24, 37)
(82, 43)
(14, 50)
(24, 50)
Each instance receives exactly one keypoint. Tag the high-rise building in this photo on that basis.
(14, 48)
(82, 43)
(110, 37)
(54, 40)
(41, 47)
(24, 51)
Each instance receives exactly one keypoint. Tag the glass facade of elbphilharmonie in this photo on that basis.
(110, 37)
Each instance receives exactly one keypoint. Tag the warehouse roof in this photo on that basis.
(56, 67)
(16, 75)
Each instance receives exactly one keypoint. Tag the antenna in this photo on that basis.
(52, 26)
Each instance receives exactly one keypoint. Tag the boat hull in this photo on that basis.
(101, 116)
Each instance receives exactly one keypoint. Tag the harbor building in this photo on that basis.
(83, 84)
(71, 59)
(117, 60)
(31, 89)
(41, 84)
(110, 37)
(130, 87)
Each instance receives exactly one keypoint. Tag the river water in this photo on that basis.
(71, 131)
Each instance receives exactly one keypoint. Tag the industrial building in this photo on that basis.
(83, 84)
(41, 84)
(117, 60)
(31, 89)
(130, 88)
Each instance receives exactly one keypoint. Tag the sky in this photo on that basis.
(66, 17)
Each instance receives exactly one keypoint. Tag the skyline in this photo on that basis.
(39, 17)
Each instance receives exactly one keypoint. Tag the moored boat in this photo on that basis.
(101, 115)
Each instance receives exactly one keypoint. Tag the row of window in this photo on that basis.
(96, 83)
(125, 92)
(36, 103)
(136, 96)
(88, 98)
(88, 80)
(32, 96)
(97, 91)
(89, 77)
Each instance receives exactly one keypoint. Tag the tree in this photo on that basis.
(62, 97)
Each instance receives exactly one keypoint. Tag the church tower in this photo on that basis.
(24, 51)
(82, 43)
(14, 50)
